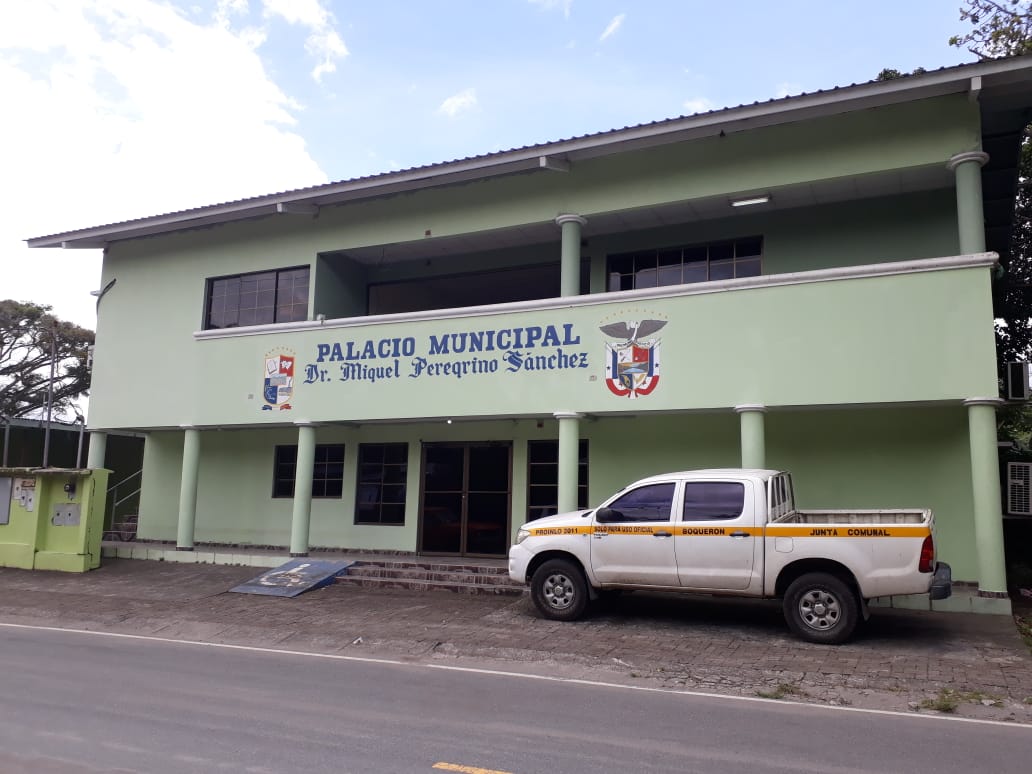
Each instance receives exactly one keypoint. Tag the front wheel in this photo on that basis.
(821, 608)
(559, 590)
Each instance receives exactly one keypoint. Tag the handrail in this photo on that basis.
(114, 501)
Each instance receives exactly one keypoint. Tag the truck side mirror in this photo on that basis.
(606, 515)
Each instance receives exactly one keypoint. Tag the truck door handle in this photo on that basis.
(661, 534)
(739, 534)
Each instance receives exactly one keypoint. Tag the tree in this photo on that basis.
(1001, 28)
(28, 336)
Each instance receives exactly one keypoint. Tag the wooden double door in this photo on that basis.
(466, 498)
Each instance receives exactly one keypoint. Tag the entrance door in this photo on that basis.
(466, 499)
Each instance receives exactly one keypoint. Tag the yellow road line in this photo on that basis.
(467, 769)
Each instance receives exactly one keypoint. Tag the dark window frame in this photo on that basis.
(284, 459)
(364, 487)
(298, 311)
(544, 467)
(627, 270)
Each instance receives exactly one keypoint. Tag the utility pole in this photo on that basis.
(50, 394)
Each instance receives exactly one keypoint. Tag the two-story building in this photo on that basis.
(420, 361)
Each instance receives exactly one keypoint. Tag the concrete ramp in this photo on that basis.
(295, 577)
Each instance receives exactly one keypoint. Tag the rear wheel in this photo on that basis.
(821, 608)
(559, 590)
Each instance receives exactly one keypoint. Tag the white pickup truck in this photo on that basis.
(731, 532)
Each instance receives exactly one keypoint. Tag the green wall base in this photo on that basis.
(16, 555)
(54, 560)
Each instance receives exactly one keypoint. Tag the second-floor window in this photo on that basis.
(680, 265)
(259, 298)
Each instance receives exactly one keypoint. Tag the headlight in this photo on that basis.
(522, 535)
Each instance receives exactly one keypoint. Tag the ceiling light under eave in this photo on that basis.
(751, 200)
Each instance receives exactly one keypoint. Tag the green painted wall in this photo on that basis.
(338, 287)
(861, 458)
(886, 339)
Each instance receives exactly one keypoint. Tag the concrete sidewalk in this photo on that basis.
(903, 660)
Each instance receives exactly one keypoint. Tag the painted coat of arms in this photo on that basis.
(278, 386)
(632, 362)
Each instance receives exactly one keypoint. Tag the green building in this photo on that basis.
(420, 361)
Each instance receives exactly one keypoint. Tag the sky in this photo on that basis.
(117, 109)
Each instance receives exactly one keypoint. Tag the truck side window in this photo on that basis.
(704, 500)
(646, 503)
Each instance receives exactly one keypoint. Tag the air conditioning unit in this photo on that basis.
(1019, 488)
(1018, 381)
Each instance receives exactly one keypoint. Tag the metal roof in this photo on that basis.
(557, 156)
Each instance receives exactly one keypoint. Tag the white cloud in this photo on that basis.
(788, 89)
(126, 108)
(459, 103)
(553, 5)
(324, 42)
(697, 105)
(614, 25)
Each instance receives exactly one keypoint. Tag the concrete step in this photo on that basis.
(426, 575)
(416, 584)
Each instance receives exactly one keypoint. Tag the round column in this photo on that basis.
(754, 443)
(985, 485)
(97, 450)
(967, 168)
(569, 280)
(302, 513)
(188, 488)
(569, 438)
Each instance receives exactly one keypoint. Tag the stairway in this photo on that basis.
(469, 576)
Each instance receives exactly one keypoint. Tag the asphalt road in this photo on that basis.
(73, 703)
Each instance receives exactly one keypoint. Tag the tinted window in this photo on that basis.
(713, 500)
(646, 503)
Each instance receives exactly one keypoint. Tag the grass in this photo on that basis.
(947, 700)
(781, 690)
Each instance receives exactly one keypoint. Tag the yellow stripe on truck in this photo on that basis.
(685, 530)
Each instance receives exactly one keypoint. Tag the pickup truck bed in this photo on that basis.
(893, 516)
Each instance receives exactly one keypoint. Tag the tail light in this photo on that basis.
(927, 562)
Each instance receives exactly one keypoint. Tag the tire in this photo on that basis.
(821, 608)
(559, 590)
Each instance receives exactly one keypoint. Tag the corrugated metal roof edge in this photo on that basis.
(941, 81)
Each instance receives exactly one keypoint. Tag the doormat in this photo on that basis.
(295, 577)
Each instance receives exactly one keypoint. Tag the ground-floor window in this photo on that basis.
(543, 478)
(327, 473)
(382, 475)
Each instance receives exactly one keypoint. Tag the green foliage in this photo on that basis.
(1000, 29)
(27, 334)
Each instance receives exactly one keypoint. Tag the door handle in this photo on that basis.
(739, 534)
(661, 534)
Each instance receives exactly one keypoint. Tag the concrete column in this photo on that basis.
(985, 483)
(97, 450)
(967, 167)
(754, 444)
(569, 280)
(568, 459)
(187, 488)
(299, 523)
